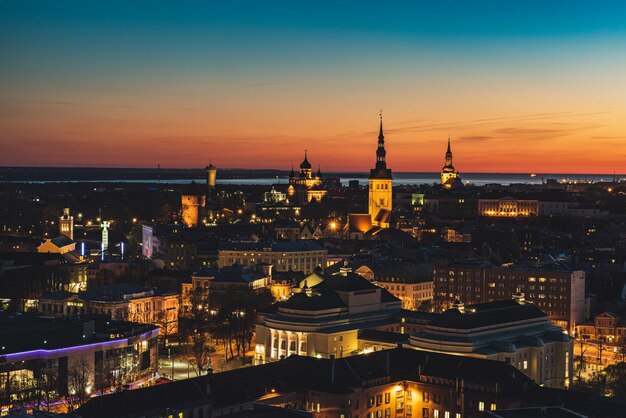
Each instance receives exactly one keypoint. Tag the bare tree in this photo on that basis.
(196, 331)
(200, 352)
(581, 360)
(80, 383)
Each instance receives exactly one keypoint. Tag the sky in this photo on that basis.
(524, 86)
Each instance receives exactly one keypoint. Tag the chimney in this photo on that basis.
(332, 368)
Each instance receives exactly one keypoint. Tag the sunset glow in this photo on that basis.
(248, 85)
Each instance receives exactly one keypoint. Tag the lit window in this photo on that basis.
(481, 406)
(493, 406)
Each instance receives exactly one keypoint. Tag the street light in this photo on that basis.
(169, 356)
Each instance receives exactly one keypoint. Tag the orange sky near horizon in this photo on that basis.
(79, 134)
(521, 87)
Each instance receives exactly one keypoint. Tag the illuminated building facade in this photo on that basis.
(607, 326)
(380, 186)
(66, 224)
(40, 351)
(299, 255)
(508, 207)
(58, 245)
(512, 331)
(122, 302)
(193, 201)
(306, 186)
(323, 317)
(558, 293)
(449, 177)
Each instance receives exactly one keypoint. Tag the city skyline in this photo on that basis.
(520, 89)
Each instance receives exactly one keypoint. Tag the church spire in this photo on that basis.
(449, 155)
(380, 151)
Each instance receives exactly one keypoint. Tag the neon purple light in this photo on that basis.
(60, 352)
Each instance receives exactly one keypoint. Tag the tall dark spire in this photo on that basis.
(380, 151)
(448, 165)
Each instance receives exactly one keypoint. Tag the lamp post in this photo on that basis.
(169, 357)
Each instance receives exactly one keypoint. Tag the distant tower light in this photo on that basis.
(105, 236)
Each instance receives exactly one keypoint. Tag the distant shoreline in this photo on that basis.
(260, 176)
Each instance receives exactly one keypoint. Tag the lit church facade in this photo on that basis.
(306, 186)
(380, 186)
(449, 177)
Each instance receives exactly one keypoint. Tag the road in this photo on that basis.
(610, 355)
(180, 367)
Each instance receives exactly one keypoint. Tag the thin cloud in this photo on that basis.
(66, 103)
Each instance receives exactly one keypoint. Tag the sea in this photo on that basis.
(478, 179)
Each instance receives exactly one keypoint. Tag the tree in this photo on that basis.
(610, 381)
(425, 306)
(195, 330)
(581, 365)
(80, 383)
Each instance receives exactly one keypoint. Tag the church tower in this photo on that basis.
(66, 224)
(380, 186)
(448, 174)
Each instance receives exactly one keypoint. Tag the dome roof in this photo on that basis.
(305, 164)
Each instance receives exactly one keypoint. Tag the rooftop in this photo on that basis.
(22, 333)
(487, 314)
(279, 246)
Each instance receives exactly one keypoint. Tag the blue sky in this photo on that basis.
(139, 72)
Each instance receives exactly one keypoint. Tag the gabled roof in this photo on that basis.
(359, 222)
(383, 216)
(62, 241)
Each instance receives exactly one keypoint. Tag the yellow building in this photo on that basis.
(449, 177)
(380, 186)
(66, 224)
(192, 202)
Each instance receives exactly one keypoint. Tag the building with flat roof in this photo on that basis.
(301, 255)
(46, 354)
(513, 331)
(557, 291)
(124, 302)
